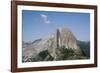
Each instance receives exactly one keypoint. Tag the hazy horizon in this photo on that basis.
(39, 24)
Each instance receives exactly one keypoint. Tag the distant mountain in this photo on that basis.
(37, 40)
(25, 44)
(85, 47)
(60, 45)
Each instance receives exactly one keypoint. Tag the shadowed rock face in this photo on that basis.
(53, 44)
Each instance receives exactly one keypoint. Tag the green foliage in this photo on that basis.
(67, 52)
(46, 55)
(43, 54)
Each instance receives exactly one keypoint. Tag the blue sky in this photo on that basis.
(39, 24)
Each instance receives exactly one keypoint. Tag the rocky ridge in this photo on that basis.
(60, 45)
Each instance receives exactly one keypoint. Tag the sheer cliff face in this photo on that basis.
(62, 37)
(67, 39)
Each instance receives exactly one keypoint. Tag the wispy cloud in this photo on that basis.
(45, 18)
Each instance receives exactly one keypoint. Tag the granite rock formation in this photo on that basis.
(60, 45)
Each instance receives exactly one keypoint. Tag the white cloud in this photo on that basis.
(45, 18)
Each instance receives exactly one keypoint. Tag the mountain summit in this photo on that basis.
(61, 45)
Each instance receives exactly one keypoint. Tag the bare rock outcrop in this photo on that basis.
(55, 46)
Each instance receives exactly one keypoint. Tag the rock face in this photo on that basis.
(54, 47)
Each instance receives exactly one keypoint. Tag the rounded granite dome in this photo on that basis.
(61, 37)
